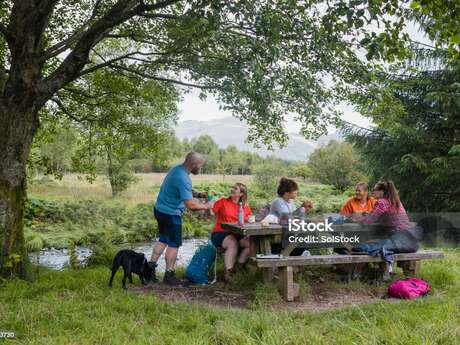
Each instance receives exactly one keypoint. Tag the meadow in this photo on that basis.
(75, 306)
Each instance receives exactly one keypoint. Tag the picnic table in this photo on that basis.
(262, 237)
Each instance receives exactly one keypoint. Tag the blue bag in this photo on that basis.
(198, 268)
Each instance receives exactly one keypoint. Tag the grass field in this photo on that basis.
(76, 307)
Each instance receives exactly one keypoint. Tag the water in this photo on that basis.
(58, 258)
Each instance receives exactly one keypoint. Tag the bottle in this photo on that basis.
(240, 213)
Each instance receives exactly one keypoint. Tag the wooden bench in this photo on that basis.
(410, 263)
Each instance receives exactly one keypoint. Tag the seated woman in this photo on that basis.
(226, 211)
(389, 212)
(287, 192)
(361, 203)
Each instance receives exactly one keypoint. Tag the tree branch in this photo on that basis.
(72, 65)
(158, 15)
(168, 80)
(106, 62)
(63, 108)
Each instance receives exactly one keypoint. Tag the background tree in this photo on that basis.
(266, 178)
(120, 118)
(206, 146)
(300, 170)
(337, 164)
(53, 148)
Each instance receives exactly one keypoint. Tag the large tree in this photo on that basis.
(262, 59)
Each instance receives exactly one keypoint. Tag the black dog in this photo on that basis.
(132, 262)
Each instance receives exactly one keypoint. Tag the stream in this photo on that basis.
(58, 258)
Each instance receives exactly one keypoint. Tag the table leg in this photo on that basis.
(253, 246)
(266, 248)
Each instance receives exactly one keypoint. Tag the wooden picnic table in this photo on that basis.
(262, 237)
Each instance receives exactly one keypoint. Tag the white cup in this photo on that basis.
(252, 219)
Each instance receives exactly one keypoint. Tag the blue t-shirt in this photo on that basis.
(175, 189)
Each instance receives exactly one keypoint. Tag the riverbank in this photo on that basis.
(77, 307)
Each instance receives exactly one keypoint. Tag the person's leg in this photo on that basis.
(163, 225)
(230, 246)
(171, 257)
(244, 254)
(158, 249)
(174, 242)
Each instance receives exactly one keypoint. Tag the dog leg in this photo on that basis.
(126, 275)
(130, 278)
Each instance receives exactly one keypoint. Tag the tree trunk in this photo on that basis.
(111, 174)
(17, 127)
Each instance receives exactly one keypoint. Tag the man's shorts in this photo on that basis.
(217, 238)
(170, 228)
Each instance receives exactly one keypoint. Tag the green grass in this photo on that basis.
(76, 307)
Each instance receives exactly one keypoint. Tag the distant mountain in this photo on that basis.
(231, 131)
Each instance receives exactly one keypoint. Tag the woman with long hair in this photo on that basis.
(226, 211)
(388, 210)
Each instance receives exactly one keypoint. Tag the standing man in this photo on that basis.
(175, 194)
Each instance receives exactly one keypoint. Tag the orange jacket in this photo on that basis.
(353, 205)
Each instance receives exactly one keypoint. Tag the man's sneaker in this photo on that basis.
(153, 266)
(171, 279)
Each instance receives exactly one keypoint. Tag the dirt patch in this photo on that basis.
(212, 295)
(323, 296)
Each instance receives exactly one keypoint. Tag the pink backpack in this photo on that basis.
(409, 288)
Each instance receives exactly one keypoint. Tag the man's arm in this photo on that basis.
(196, 206)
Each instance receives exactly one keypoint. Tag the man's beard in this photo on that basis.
(195, 171)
